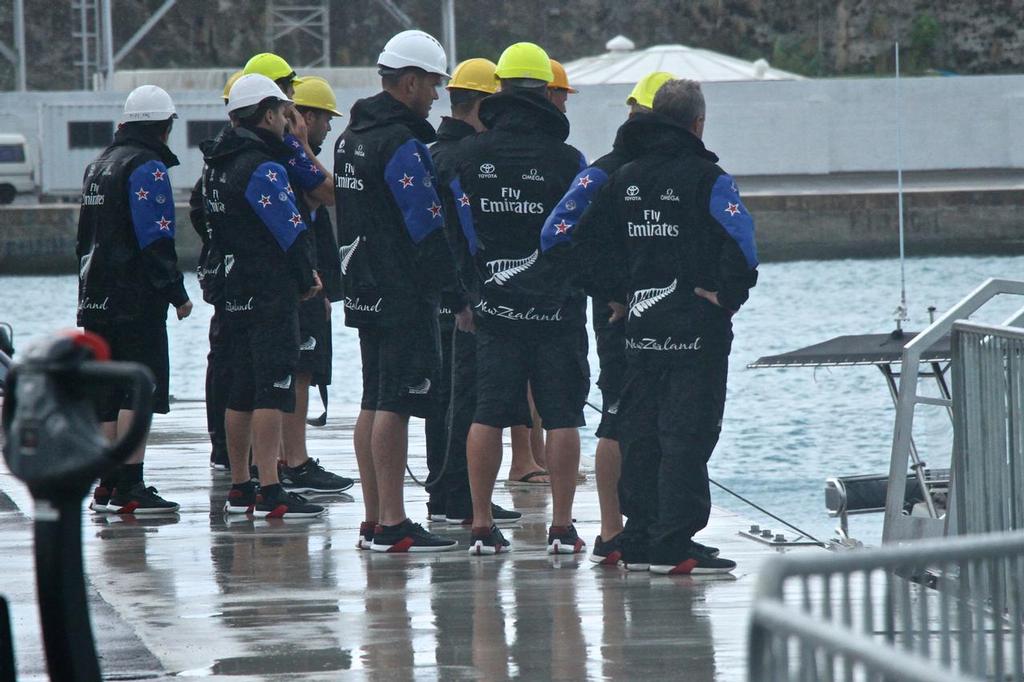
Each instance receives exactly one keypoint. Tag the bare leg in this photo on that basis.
(364, 460)
(238, 426)
(537, 445)
(522, 456)
(483, 456)
(390, 445)
(564, 464)
(266, 439)
(124, 420)
(293, 426)
(607, 467)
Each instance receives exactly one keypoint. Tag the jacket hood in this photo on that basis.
(130, 135)
(655, 133)
(383, 110)
(524, 110)
(232, 141)
(452, 129)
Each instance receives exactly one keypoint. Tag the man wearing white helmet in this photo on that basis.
(128, 274)
(254, 221)
(394, 262)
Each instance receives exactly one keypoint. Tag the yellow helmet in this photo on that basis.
(474, 74)
(561, 79)
(645, 89)
(231, 81)
(270, 65)
(525, 60)
(316, 93)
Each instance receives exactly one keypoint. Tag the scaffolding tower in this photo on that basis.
(301, 19)
(85, 29)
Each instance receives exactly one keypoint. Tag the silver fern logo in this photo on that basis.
(83, 267)
(346, 252)
(229, 262)
(645, 299)
(504, 269)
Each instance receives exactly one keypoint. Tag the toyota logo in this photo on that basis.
(632, 190)
(487, 168)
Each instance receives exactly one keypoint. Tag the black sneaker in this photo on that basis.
(606, 553)
(311, 477)
(499, 517)
(705, 549)
(241, 499)
(365, 535)
(488, 541)
(274, 502)
(691, 563)
(435, 511)
(100, 500)
(409, 537)
(564, 540)
(219, 460)
(634, 557)
(140, 500)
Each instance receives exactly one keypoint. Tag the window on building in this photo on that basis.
(12, 153)
(90, 134)
(199, 131)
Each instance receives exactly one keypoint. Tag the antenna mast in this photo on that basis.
(901, 310)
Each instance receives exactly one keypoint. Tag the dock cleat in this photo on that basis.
(691, 563)
(241, 499)
(564, 540)
(488, 541)
(499, 516)
(141, 500)
(100, 500)
(606, 553)
(275, 502)
(365, 535)
(312, 478)
(409, 537)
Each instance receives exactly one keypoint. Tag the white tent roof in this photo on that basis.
(624, 64)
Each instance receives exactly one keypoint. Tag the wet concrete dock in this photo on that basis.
(195, 596)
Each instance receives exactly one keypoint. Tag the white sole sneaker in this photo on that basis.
(678, 569)
(99, 508)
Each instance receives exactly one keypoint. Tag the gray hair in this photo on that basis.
(680, 99)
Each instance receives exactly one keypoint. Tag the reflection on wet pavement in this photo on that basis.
(234, 598)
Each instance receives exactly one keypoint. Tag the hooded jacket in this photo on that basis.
(666, 223)
(127, 265)
(255, 225)
(394, 258)
(504, 184)
(445, 153)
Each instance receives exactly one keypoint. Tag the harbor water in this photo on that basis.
(785, 430)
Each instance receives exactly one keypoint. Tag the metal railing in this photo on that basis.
(941, 609)
(988, 429)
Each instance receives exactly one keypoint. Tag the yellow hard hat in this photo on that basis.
(561, 79)
(645, 89)
(474, 74)
(270, 65)
(524, 60)
(231, 81)
(316, 93)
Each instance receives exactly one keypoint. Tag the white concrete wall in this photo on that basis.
(757, 128)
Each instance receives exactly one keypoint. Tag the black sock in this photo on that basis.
(129, 475)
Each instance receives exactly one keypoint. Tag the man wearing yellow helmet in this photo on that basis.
(530, 326)
(275, 68)
(556, 240)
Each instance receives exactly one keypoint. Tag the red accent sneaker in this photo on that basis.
(564, 540)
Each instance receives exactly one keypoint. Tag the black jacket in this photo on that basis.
(444, 152)
(394, 259)
(256, 225)
(128, 268)
(504, 184)
(666, 223)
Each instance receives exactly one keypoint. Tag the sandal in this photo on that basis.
(527, 480)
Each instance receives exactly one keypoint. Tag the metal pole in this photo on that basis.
(327, 34)
(108, 43)
(902, 312)
(448, 26)
(19, 43)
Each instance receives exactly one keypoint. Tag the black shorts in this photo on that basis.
(141, 342)
(263, 356)
(608, 428)
(401, 369)
(553, 363)
(315, 352)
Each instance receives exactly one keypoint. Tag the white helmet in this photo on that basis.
(148, 103)
(251, 89)
(415, 48)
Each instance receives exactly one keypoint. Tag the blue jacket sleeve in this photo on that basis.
(272, 198)
(737, 267)
(301, 168)
(559, 226)
(409, 175)
(151, 201)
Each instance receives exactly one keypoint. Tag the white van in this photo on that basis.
(17, 172)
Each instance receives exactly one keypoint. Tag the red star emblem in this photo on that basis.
(295, 143)
(732, 209)
(264, 200)
(288, 188)
(164, 223)
(272, 175)
(158, 175)
(314, 170)
(562, 227)
(435, 210)
(406, 180)
(584, 181)
(142, 195)
(464, 200)
(291, 162)
(296, 219)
